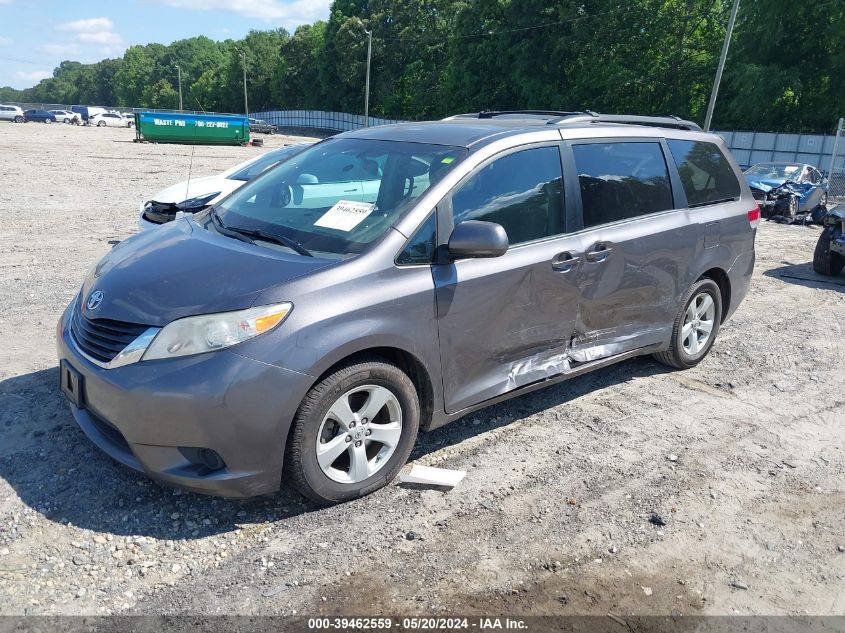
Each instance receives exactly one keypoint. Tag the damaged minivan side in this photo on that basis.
(394, 279)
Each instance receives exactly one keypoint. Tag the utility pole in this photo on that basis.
(179, 74)
(718, 80)
(243, 58)
(367, 86)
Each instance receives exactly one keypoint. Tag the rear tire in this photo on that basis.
(18, 119)
(48, 121)
(353, 393)
(101, 124)
(826, 262)
(791, 207)
(695, 327)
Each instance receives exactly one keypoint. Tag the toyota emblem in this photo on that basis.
(94, 300)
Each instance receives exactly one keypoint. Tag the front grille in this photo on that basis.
(103, 339)
(110, 432)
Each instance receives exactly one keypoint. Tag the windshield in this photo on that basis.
(775, 171)
(337, 197)
(267, 161)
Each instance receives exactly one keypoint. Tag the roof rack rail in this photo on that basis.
(489, 114)
(627, 119)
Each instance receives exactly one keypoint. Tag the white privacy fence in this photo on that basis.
(750, 148)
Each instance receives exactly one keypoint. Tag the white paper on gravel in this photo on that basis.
(433, 476)
(345, 215)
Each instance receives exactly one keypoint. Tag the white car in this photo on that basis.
(129, 117)
(66, 116)
(199, 193)
(109, 119)
(11, 113)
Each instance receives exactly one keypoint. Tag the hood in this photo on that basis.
(764, 184)
(182, 270)
(197, 187)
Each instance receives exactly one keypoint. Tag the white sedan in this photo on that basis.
(191, 196)
(109, 119)
(66, 116)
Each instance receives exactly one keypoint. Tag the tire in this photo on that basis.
(66, 121)
(271, 131)
(823, 200)
(791, 207)
(48, 121)
(101, 124)
(826, 262)
(19, 119)
(316, 424)
(682, 354)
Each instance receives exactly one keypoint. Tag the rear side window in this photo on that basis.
(619, 181)
(521, 191)
(706, 175)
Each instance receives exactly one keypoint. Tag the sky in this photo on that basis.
(36, 36)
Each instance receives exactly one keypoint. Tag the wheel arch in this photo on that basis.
(404, 360)
(723, 281)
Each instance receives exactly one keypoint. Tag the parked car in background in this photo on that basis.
(261, 126)
(199, 193)
(787, 188)
(86, 112)
(39, 115)
(109, 119)
(11, 113)
(303, 332)
(66, 116)
(129, 118)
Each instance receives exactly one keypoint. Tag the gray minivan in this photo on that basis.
(395, 278)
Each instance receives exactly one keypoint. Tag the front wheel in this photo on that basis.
(353, 432)
(792, 207)
(48, 121)
(101, 124)
(18, 119)
(695, 327)
(66, 121)
(825, 261)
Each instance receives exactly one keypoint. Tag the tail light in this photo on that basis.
(754, 217)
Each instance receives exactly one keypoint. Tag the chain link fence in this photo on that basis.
(836, 169)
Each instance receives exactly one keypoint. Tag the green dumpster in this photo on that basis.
(191, 129)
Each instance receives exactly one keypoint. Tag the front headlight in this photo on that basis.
(209, 332)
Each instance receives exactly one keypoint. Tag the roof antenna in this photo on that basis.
(193, 146)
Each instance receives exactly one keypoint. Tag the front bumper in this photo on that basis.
(143, 413)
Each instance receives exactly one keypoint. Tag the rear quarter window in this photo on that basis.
(706, 175)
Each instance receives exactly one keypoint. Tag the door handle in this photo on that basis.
(599, 252)
(564, 262)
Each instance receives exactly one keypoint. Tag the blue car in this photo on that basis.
(787, 188)
(39, 115)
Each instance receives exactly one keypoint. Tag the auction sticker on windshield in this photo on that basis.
(345, 215)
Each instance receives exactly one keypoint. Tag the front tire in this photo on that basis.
(48, 121)
(791, 207)
(353, 432)
(825, 261)
(695, 327)
(19, 119)
(101, 124)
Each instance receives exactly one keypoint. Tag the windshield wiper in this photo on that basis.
(234, 231)
(271, 237)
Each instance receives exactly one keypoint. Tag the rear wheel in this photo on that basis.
(18, 119)
(825, 261)
(48, 121)
(695, 327)
(101, 124)
(353, 432)
(66, 121)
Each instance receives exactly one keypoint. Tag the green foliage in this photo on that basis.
(432, 58)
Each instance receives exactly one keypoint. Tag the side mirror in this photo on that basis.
(475, 238)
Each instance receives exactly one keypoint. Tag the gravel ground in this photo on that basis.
(741, 458)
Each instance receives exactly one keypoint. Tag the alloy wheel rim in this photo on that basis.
(698, 323)
(793, 205)
(359, 434)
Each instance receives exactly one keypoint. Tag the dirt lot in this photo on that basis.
(742, 456)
